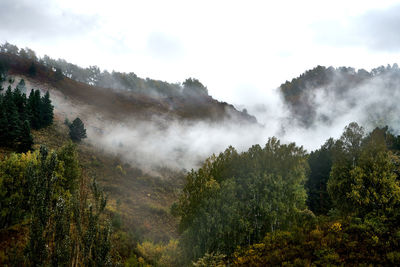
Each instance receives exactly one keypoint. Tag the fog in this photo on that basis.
(182, 144)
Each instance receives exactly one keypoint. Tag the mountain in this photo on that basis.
(139, 195)
(120, 95)
(325, 95)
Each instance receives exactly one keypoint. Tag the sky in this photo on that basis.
(241, 50)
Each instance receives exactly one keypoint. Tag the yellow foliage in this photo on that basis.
(336, 227)
(120, 170)
(161, 254)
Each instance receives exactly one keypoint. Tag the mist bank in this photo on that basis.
(167, 141)
(308, 110)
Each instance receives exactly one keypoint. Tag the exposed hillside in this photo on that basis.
(188, 101)
(325, 95)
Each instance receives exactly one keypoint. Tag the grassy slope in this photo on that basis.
(143, 200)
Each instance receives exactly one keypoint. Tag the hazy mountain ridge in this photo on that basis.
(118, 92)
(326, 95)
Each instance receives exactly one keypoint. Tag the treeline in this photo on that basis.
(44, 193)
(19, 113)
(337, 83)
(92, 75)
(339, 205)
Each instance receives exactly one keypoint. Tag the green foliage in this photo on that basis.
(71, 170)
(77, 130)
(65, 224)
(234, 199)
(32, 70)
(46, 110)
(364, 177)
(326, 243)
(14, 188)
(320, 163)
(194, 87)
(163, 255)
(363, 227)
(18, 114)
(25, 140)
(214, 260)
(58, 75)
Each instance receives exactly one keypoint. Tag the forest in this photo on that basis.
(338, 205)
(267, 205)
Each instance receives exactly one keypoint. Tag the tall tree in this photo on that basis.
(25, 140)
(46, 110)
(320, 162)
(364, 180)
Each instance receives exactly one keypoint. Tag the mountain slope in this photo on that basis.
(323, 96)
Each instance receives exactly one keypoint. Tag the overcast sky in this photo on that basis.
(241, 50)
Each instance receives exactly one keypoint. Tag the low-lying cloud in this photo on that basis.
(177, 144)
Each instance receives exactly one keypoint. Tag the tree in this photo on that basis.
(68, 155)
(320, 162)
(364, 179)
(346, 153)
(194, 87)
(25, 140)
(58, 75)
(235, 199)
(32, 70)
(34, 106)
(46, 110)
(77, 130)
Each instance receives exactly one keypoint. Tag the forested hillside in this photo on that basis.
(86, 178)
(119, 94)
(324, 96)
(278, 205)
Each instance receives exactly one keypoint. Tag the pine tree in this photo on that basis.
(34, 109)
(13, 126)
(3, 122)
(77, 130)
(25, 140)
(46, 110)
(19, 99)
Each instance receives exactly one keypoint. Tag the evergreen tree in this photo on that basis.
(34, 108)
(320, 162)
(25, 140)
(46, 110)
(13, 126)
(77, 130)
(3, 123)
(19, 99)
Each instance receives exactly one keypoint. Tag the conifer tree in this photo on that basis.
(46, 110)
(3, 123)
(25, 141)
(77, 130)
(34, 109)
(13, 126)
